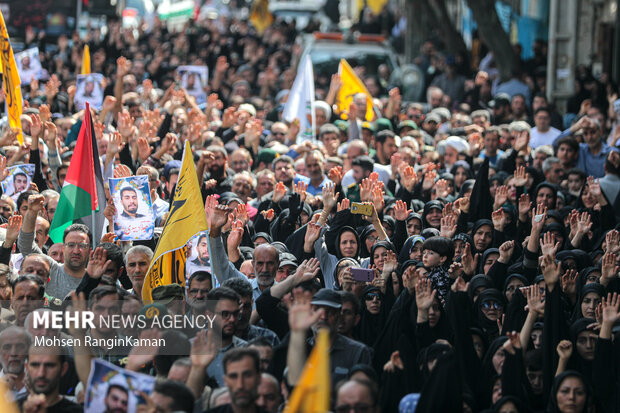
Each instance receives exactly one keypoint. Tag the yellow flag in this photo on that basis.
(260, 17)
(311, 394)
(85, 61)
(6, 404)
(375, 5)
(11, 81)
(185, 219)
(351, 85)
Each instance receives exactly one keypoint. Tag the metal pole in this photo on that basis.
(551, 53)
(79, 14)
(93, 231)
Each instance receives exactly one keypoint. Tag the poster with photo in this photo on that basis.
(18, 180)
(197, 256)
(194, 79)
(111, 388)
(134, 210)
(29, 66)
(89, 88)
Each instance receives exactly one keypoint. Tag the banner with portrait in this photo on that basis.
(29, 66)
(194, 79)
(134, 210)
(111, 388)
(197, 257)
(89, 88)
(18, 180)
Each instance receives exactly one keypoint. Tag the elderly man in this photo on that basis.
(137, 261)
(14, 343)
(28, 295)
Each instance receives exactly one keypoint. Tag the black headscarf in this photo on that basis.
(557, 382)
(435, 204)
(477, 281)
(489, 327)
(360, 244)
(588, 288)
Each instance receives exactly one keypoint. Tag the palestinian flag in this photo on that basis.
(83, 191)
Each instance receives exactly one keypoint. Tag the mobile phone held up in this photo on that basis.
(364, 275)
(362, 209)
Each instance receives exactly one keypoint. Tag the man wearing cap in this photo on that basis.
(323, 311)
(501, 109)
(172, 296)
(288, 266)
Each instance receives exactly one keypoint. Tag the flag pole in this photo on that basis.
(92, 214)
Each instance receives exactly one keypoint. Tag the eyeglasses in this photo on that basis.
(357, 408)
(372, 296)
(79, 245)
(487, 305)
(371, 238)
(230, 314)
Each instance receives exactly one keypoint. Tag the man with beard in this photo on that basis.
(66, 277)
(20, 183)
(14, 343)
(284, 170)
(215, 161)
(266, 259)
(45, 367)
(202, 246)
(223, 308)
(129, 200)
(323, 311)
(242, 377)
(116, 399)
(198, 286)
(137, 261)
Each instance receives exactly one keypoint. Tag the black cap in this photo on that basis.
(327, 298)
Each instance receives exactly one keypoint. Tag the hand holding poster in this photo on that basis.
(89, 88)
(134, 211)
(110, 388)
(18, 180)
(194, 80)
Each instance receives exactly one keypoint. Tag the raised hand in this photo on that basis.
(241, 212)
(595, 190)
(300, 314)
(122, 171)
(459, 285)
(236, 235)
(377, 199)
(98, 263)
(538, 218)
(611, 308)
(505, 251)
(569, 283)
(12, 230)
(278, 192)
(36, 203)
(408, 177)
(501, 196)
(462, 204)
(612, 241)
(410, 279)
(301, 188)
(513, 344)
(424, 294)
(548, 246)
(469, 261)
(550, 270)
(520, 177)
(4, 171)
(390, 263)
(108, 237)
(330, 199)
(335, 175)
(268, 214)
(535, 302)
(307, 270)
(441, 188)
(524, 207)
(110, 210)
(366, 190)
(204, 348)
(396, 161)
(455, 270)
(400, 210)
(125, 125)
(499, 220)
(609, 269)
(36, 126)
(217, 215)
(116, 144)
(584, 224)
(448, 226)
(394, 363)
(565, 349)
(429, 180)
(344, 204)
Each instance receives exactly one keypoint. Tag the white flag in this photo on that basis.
(301, 100)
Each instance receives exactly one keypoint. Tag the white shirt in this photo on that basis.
(542, 138)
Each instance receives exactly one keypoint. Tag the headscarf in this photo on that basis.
(559, 379)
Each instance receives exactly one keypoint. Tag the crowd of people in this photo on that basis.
(462, 252)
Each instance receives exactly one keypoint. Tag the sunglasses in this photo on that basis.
(372, 296)
(487, 305)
